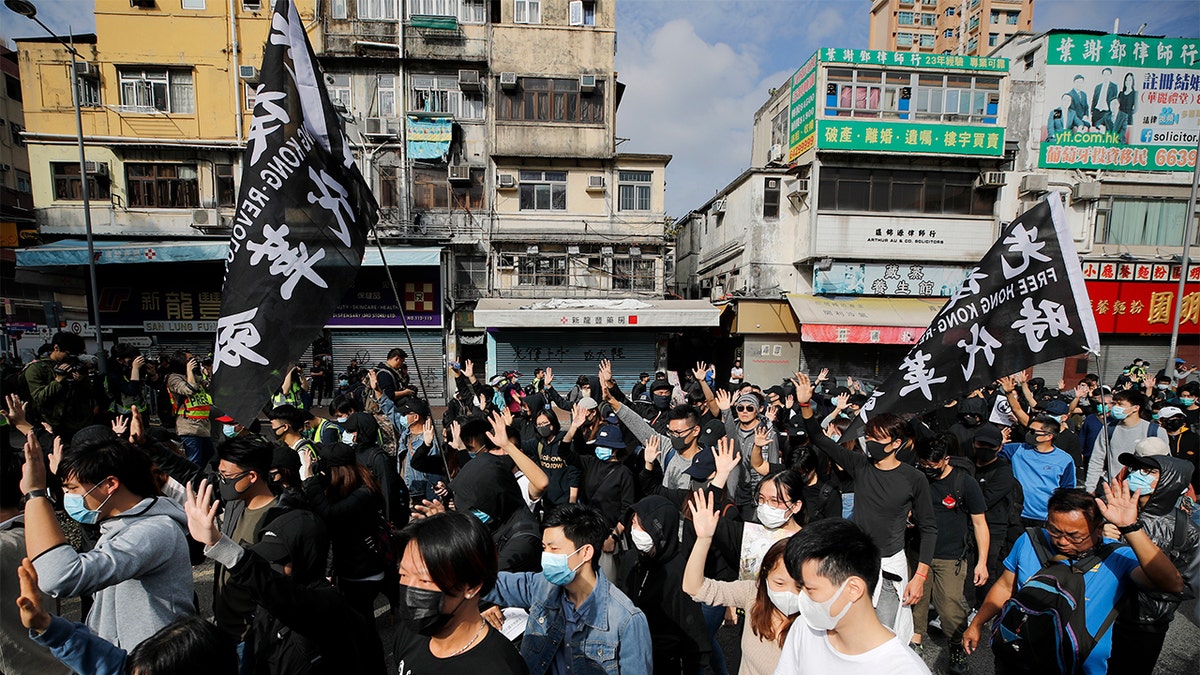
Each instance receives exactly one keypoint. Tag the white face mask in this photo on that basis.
(642, 540)
(816, 614)
(784, 601)
(772, 517)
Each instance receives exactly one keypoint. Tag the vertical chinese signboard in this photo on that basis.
(803, 113)
(1123, 102)
(1139, 298)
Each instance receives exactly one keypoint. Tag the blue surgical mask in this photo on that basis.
(557, 569)
(1187, 401)
(1102, 408)
(483, 517)
(603, 454)
(341, 420)
(404, 421)
(1118, 412)
(835, 438)
(1140, 480)
(343, 383)
(77, 508)
(229, 430)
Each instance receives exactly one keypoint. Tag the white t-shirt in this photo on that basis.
(807, 651)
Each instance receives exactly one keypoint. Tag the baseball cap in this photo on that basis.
(610, 436)
(989, 435)
(704, 463)
(1055, 408)
(710, 433)
(338, 454)
(1150, 447)
(588, 403)
(412, 404)
(1170, 411)
(285, 458)
(1133, 461)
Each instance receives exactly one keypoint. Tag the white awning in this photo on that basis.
(593, 313)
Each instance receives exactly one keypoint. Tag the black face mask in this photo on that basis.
(877, 452)
(984, 454)
(421, 610)
(661, 401)
(970, 420)
(931, 472)
(1173, 423)
(545, 431)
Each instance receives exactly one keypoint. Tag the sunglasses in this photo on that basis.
(745, 408)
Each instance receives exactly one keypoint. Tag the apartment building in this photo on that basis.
(967, 27)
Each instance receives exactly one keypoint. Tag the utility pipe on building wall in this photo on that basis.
(1189, 233)
(235, 71)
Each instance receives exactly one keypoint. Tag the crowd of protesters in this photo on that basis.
(533, 530)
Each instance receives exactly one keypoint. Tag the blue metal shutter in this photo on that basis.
(371, 346)
(572, 353)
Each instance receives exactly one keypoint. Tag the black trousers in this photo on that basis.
(1135, 649)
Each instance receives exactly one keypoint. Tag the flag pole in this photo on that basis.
(1189, 233)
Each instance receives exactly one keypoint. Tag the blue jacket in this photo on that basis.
(80, 649)
(613, 637)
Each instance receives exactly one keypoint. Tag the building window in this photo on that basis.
(633, 190)
(24, 184)
(779, 128)
(389, 188)
(928, 19)
(14, 131)
(226, 190)
(949, 11)
(469, 196)
(582, 13)
(995, 17)
(252, 5)
(771, 198)
(440, 94)
(338, 85)
(68, 187)
(193, 4)
(883, 191)
(634, 274)
(337, 9)
(905, 18)
(1013, 18)
(385, 96)
(166, 90)
(927, 40)
(249, 92)
(89, 92)
(377, 10)
(957, 98)
(540, 99)
(1128, 221)
(163, 186)
(473, 11)
(548, 269)
(947, 33)
(470, 275)
(867, 93)
(432, 191)
(543, 191)
(12, 87)
(972, 44)
(993, 39)
(527, 11)
(904, 39)
(433, 8)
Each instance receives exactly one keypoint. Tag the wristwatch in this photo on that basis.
(1130, 528)
(32, 494)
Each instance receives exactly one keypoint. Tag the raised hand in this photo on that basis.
(15, 413)
(604, 372)
(56, 454)
(506, 416)
(822, 376)
(804, 388)
(1082, 390)
(120, 425)
(704, 515)
(1119, 506)
(841, 402)
(427, 508)
(137, 431)
(499, 432)
(373, 380)
(33, 472)
(724, 400)
(771, 412)
(1007, 383)
(548, 377)
(1005, 434)
(762, 436)
(725, 456)
(1062, 384)
(456, 434)
(651, 451)
(427, 433)
(700, 371)
(579, 416)
(201, 510)
(468, 369)
(33, 615)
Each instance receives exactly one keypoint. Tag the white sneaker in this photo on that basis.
(936, 622)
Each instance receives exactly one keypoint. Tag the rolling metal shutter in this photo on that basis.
(572, 353)
(370, 347)
(1113, 357)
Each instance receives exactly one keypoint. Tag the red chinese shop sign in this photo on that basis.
(1135, 298)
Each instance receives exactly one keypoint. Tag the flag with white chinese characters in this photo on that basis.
(302, 217)
(1025, 303)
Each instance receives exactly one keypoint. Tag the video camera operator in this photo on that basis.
(59, 391)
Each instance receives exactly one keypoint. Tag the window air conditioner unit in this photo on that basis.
(468, 80)
(248, 73)
(506, 181)
(595, 183)
(508, 80)
(381, 126)
(1087, 191)
(776, 154)
(459, 173)
(991, 179)
(606, 251)
(799, 193)
(98, 168)
(718, 206)
(86, 69)
(587, 84)
(772, 184)
(1035, 182)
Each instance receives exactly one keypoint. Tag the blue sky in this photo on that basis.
(697, 70)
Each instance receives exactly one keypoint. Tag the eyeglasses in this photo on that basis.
(772, 501)
(1073, 538)
(745, 408)
(681, 432)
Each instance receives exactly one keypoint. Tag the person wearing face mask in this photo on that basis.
(1073, 536)
(652, 576)
(1144, 617)
(1184, 443)
(959, 509)
(545, 446)
(1098, 421)
(361, 431)
(578, 620)
(1127, 410)
(487, 489)
(770, 599)
(329, 430)
(1039, 467)
(837, 566)
(448, 565)
(886, 491)
(1188, 400)
(287, 427)
(243, 482)
(607, 485)
(743, 419)
(1003, 499)
(139, 572)
(301, 623)
(969, 419)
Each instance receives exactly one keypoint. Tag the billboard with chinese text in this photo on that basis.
(1120, 102)
(1139, 298)
(803, 111)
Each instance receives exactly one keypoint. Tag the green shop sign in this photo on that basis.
(877, 57)
(940, 139)
(1129, 51)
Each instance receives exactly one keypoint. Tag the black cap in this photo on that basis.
(710, 433)
(1135, 462)
(1056, 408)
(338, 454)
(285, 458)
(660, 384)
(412, 404)
(777, 390)
(703, 465)
(989, 435)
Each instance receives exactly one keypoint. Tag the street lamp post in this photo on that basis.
(28, 9)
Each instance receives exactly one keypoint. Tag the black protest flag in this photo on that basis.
(301, 225)
(1025, 303)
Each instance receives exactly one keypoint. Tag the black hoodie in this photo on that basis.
(487, 484)
(654, 582)
(1153, 610)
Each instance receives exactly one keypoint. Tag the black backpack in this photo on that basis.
(1043, 627)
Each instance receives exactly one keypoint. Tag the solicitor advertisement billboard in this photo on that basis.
(1120, 102)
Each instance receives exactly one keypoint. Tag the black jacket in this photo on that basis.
(1153, 610)
(487, 484)
(354, 524)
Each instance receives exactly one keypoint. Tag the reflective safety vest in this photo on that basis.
(293, 397)
(196, 406)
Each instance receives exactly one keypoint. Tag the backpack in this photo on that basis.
(389, 438)
(1043, 627)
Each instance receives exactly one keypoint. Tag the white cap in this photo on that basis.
(588, 403)
(1150, 447)
(1170, 411)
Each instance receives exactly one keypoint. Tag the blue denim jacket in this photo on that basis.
(614, 636)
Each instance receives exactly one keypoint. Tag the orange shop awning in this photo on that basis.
(859, 320)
